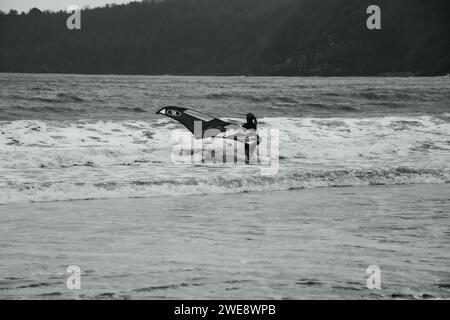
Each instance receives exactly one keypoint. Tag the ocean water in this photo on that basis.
(87, 178)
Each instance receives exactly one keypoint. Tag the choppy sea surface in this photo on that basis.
(364, 179)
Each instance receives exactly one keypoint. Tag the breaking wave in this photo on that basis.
(65, 191)
(61, 160)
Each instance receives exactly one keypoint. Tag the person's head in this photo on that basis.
(250, 117)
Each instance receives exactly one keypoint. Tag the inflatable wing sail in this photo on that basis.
(205, 126)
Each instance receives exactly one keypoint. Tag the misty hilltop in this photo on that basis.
(233, 37)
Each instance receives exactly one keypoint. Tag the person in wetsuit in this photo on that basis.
(251, 124)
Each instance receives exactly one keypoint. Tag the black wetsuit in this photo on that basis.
(248, 126)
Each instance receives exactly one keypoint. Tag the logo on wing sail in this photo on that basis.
(173, 113)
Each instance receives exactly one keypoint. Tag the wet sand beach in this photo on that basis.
(300, 244)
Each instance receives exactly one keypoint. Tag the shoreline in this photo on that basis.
(230, 194)
(387, 75)
(310, 243)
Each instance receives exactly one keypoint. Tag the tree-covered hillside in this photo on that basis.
(259, 37)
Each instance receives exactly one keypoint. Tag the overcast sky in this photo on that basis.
(26, 5)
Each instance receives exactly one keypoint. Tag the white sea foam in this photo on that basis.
(55, 160)
(237, 183)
